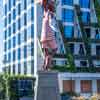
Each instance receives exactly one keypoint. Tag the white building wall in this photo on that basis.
(77, 86)
(59, 10)
(76, 1)
(93, 49)
(60, 84)
(94, 86)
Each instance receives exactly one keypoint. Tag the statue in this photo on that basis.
(48, 41)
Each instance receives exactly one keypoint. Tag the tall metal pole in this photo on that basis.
(35, 39)
(35, 50)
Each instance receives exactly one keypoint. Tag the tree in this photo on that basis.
(2, 87)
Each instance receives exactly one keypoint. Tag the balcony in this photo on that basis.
(66, 68)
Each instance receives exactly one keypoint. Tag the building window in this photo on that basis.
(85, 3)
(19, 68)
(88, 32)
(19, 22)
(14, 28)
(67, 2)
(14, 55)
(97, 35)
(98, 86)
(25, 35)
(25, 51)
(14, 69)
(5, 58)
(14, 14)
(5, 9)
(32, 49)
(25, 87)
(14, 41)
(9, 18)
(72, 48)
(83, 63)
(81, 49)
(68, 85)
(19, 9)
(19, 53)
(98, 50)
(86, 86)
(5, 34)
(67, 15)
(14, 2)
(25, 19)
(68, 31)
(54, 62)
(32, 13)
(9, 57)
(5, 46)
(9, 31)
(5, 23)
(9, 4)
(25, 4)
(85, 17)
(19, 38)
(61, 49)
(9, 44)
(25, 68)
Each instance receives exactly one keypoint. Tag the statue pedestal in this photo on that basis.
(47, 87)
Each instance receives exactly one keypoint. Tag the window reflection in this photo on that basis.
(67, 2)
(67, 15)
(85, 17)
(85, 3)
(68, 31)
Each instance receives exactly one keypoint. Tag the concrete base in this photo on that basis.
(47, 87)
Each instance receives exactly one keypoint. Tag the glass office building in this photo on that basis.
(18, 36)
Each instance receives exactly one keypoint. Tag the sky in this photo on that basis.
(1, 35)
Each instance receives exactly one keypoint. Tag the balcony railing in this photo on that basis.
(69, 55)
(77, 69)
(84, 35)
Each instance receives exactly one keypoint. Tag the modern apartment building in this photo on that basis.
(78, 56)
(18, 36)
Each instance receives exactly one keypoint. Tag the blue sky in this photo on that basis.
(1, 34)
